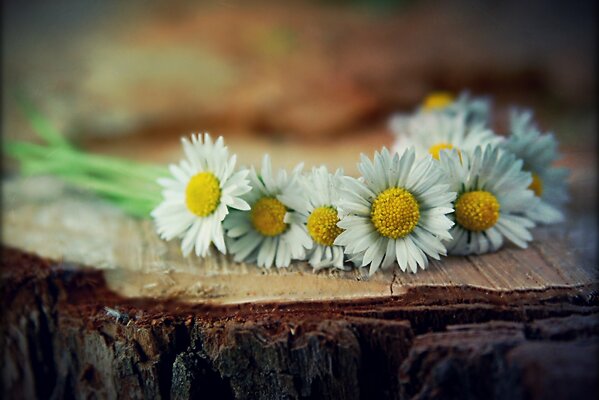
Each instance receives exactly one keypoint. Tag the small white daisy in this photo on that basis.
(477, 110)
(474, 110)
(272, 232)
(539, 152)
(434, 132)
(492, 194)
(316, 199)
(196, 201)
(396, 212)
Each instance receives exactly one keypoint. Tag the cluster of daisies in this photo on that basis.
(449, 185)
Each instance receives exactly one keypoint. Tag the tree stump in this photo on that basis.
(107, 310)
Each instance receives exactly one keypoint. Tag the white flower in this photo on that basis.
(492, 192)
(539, 152)
(477, 110)
(316, 199)
(272, 232)
(443, 122)
(198, 197)
(431, 133)
(397, 213)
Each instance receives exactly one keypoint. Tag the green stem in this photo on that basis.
(41, 125)
(89, 162)
(105, 187)
(139, 209)
(135, 193)
(108, 189)
(130, 185)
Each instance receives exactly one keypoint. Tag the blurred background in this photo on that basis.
(310, 81)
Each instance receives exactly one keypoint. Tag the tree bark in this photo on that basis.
(66, 334)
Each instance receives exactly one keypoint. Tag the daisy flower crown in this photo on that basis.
(449, 185)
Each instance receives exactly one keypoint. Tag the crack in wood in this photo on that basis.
(393, 280)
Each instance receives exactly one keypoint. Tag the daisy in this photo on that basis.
(396, 212)
(492, 194)
(434, 132)
(475, 109)
(198, 197)
(272, 232)
(538, 152)
(316, 200)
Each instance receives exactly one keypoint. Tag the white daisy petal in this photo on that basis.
(405, 166)
(283, 257)
(379, 254)
(361, 244)
(239, 204)
(389, 254)
(245, 246)
(429, 244)
(401, 252)
(266, 251)
(178, 173)
(171, 184)
(545, 213)
(495, 239)
(218, 238)
(416, 256)
(481, 242)
(203, 238)
(515, 229)
(373, 255)
(189, 237)
(239, 229)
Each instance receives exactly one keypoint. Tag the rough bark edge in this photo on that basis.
(59, 341)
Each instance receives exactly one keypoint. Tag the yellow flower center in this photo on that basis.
(536, 185)
(436, 149)
(322, 225)
(268, 216)
(202, 194)
(477, 211)
(437, 100)
(395, 213)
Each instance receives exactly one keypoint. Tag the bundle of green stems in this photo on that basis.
(130, 185)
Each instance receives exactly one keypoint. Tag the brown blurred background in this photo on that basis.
(312, 80)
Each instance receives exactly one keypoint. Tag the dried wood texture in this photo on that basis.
(66, 335)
